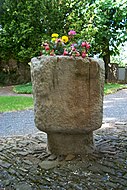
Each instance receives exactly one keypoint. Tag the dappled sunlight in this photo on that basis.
(120, 98)
(108, 106)
(107, 101)
(110, 119)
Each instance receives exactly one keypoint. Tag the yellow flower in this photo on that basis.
(65, 39)
(53, 39)
(55, 35)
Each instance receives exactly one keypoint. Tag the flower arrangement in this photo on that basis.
(65, 45)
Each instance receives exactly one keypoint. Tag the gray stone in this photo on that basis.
(5, 164)
(68, 95)
(52, 157)
(30, 172)
(27, 162)
(7, 182)
(48, 164)
(22, 153)
(23, 186)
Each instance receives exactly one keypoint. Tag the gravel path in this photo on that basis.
(115, 107)
(17, 123)
(22, 122)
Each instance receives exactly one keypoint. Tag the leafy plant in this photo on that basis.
(110, 88)
(66, 45)
(103, 23)
(23, 88)
(24, 23)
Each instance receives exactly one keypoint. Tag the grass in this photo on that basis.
(111, 88)
(13, 103)
(108, 88)
(23, 88)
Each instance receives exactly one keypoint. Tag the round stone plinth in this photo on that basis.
(63, 144)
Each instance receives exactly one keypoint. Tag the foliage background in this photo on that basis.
(25, 23)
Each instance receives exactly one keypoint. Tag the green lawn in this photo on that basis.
(23, 88)
(108, 88)
(12, 103)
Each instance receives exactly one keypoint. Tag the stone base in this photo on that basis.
(63, 144)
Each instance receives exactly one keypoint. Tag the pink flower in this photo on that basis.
(87, 45)
(83, 54)
(65, 52)
(77, 54)
(73, 48)
(83, 44)
(45, 44)
(71, 33)
(58, 40)
(47, 48)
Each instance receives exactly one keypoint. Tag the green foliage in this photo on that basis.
(111, 21)
(121, 58)
(19, 30)
(12, 103)
(1, 10)
(23, 89)
(55, 16)
(102, 22)
(24, 23)
(110, 88)
(66, 45)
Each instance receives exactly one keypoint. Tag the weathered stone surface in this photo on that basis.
(68, 95)
(62, 143)
(70, 157)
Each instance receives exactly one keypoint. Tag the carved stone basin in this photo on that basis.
(68, 101)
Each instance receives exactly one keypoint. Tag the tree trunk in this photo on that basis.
(106, 58)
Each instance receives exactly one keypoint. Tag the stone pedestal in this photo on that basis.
(68, 101)
(62, 143)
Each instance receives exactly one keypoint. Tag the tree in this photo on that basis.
(111, 21)
(121, 59)
(104, 24)
(24, 23)
(1, 10)
(20, 27)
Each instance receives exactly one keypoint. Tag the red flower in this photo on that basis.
(83, 54)
(73, 48)
(65, 52)
(83, 44)
(47, 48)
(87, 46)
